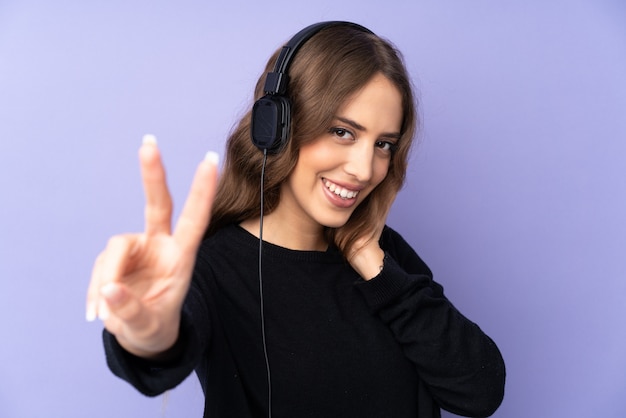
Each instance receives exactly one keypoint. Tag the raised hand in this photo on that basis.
(365, 256)
(139, 281)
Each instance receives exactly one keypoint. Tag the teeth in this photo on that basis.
(340, 191)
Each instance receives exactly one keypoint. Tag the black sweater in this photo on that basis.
(338, 345)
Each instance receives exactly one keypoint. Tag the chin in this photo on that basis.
(334, 222)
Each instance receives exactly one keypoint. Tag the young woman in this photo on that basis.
(335, 314)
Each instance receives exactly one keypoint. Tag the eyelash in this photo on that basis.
(341, 132)
(391, 147)
(386, 146)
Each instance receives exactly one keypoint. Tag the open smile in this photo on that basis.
(340, 191)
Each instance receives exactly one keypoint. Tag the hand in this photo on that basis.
(365, 256)
(139, 281)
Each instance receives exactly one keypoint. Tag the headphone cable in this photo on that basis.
(267, 362)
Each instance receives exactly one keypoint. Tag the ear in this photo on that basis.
(271, 117)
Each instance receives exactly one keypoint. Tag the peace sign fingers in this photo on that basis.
(158, 211)
(195, 215)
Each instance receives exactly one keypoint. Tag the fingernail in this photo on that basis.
(91, 313)
(149, 139)
(212, 157)
(103, 311)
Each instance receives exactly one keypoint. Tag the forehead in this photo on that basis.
(377, 106)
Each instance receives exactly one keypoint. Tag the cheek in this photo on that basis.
(381, 169)
(319, 151)
(318, 156)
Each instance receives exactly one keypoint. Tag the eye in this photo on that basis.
(387, 146)
(342, 133)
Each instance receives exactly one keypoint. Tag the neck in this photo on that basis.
(286, 234)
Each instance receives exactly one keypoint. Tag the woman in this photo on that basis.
(335, 314)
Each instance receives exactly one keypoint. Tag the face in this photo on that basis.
(337, 171)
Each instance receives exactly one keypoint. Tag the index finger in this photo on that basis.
(158, 211)
(196, 213)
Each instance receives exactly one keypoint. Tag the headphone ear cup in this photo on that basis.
(271, 118)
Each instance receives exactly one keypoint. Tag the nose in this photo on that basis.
(360, 161)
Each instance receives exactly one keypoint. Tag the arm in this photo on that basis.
(152, 377)
(140, 281)
(461, 366)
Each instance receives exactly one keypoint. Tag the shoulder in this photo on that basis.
(223, 256)
(230, 238)
(392, 241)
(224, 249)
(401, 251)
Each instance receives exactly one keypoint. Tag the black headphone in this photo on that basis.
(271, 114)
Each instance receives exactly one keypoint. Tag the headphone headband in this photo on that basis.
(276, 81)
(271, 114)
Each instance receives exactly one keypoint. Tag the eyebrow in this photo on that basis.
(359, 127)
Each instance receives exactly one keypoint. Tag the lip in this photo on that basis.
(336, 200)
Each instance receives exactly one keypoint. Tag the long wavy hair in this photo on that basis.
(329, 68)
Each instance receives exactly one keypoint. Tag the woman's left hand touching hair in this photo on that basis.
(365, 255)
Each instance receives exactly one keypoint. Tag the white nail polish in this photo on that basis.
(149, 139)
(103, 311)
(91, 313)
(212, 157)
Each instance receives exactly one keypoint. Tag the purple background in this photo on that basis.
(515, 197)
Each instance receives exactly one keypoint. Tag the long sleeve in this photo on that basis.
(460, 365)
(153, 378)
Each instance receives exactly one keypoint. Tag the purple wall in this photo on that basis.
(516, 196)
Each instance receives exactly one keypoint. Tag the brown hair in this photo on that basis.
(329, 68)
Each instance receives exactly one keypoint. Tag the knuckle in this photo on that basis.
(114, 241)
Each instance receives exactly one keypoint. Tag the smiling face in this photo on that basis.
(338, 170)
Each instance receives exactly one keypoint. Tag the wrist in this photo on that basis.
(368, 262)
(157, 344)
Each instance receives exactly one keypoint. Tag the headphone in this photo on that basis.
(271, 114)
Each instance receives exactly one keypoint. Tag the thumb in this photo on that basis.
(119, 302)
(126, 317)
